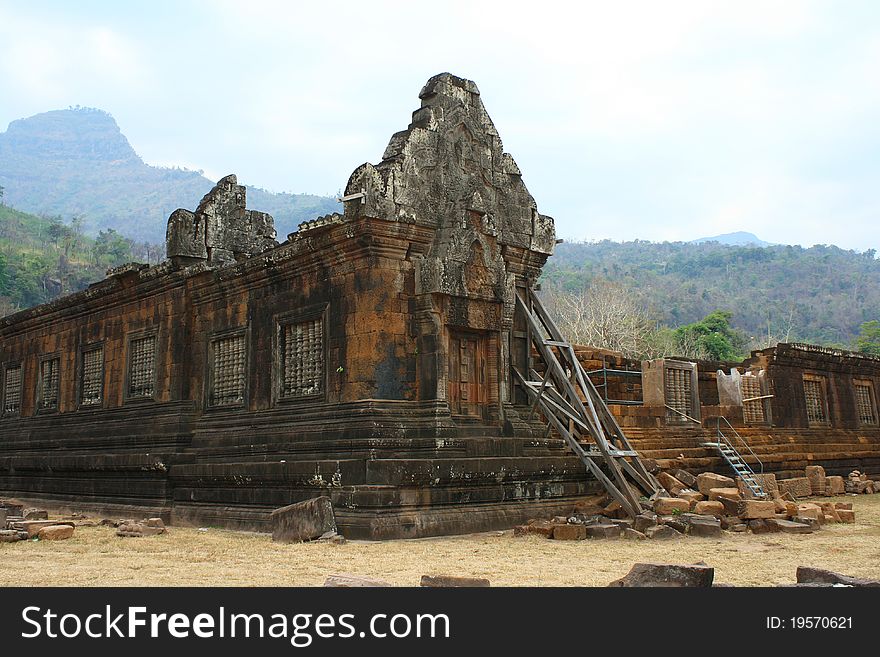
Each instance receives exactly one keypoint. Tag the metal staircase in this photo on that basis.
(570, 403)
(736, 461)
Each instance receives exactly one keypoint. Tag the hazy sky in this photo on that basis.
(656, 120)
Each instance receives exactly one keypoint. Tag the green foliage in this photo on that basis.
(868, 340)
(42, 258)
(715, 336)
(776, 294)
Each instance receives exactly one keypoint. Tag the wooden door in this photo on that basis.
(467, 374)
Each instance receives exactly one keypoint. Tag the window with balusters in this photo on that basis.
(142, 366)
(92, 377)
(50, 379)
(678, 389)
(753, 407)
(12, 390)
(866, 405)
(301, 346)
(228, 370)
(815, 399)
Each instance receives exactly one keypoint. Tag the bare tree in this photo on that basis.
(604, 315)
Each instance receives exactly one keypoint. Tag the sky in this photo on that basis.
(629, 120)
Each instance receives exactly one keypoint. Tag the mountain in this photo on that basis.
(820, 295)
(77, 162)
(739, 238)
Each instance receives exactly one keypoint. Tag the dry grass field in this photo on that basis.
(95, 556)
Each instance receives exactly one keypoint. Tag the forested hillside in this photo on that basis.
(821, 294)
(42, 258)
(77, 163)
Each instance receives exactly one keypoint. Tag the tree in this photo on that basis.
(868, 340)
(603, 315)
(1, 194)
(715, 335)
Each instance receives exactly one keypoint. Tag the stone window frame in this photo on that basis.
(693, 403)
(80, 373)
(281, 320)
(38, 396)
(764, 387)
(11, 365)
(213, 337)
(130, 338)
(869, 384)
(826, 407)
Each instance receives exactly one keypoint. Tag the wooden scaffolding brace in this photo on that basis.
(571, 404)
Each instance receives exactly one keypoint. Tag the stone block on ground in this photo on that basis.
(707, 508)
(835, 485)
(829, 511)
(685, 477)
(667, 575)
(644, 520)
(797, 487)
(790, 527)
(815, 474)
(751, 509)
(354, 581)
(303, 521)
(843, 505)
(662, 533)
(602, 531)
(704, 526)
(667, 505)
(55, 532)
(568, 532)
(541, 527)
(9, 535)
(846, 515)
(446, 581)
(763, 525)
(808, 575)
(810, 511)
(709, 480)
(35, 514)
(32, 527)
(633, 535)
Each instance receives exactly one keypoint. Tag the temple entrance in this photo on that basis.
(468, 383)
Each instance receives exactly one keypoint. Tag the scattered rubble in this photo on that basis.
(667, 575)
(146, 527)
(303, 521)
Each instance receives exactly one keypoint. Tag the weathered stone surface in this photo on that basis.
(708, 508)
(810, 511)
(829, 511)
(2, 518)
(670, 483)
(843, 505)
(35, 514)
(704, 526)
(671, 575)
(32, 527)
(763, 526)
(709, 480)
(750, 509)
(677, 522)
(798, 487)
(588, 508)
(766, 481)
(354, 581)
(541, 527)
(662, 533)
(644, 520)
(303, 521)
(132, 529)
(221, 230)
(55, 532)
(686, 478)
(835, 485)
(716, 494)
(691, 496)
(808, 575)
(443, 581)
(9, 536)
(569, 532)
(816, 476)
(846, 515)
(789, 527)
(667, 505)
(633, 535)
(602, 531)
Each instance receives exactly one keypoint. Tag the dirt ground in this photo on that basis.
(95, 556)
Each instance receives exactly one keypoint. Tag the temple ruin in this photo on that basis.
(383, 357)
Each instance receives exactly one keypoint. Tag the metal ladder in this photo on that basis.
(569, 401)
(736, 461)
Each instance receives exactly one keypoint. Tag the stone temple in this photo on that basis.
(368, 357)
